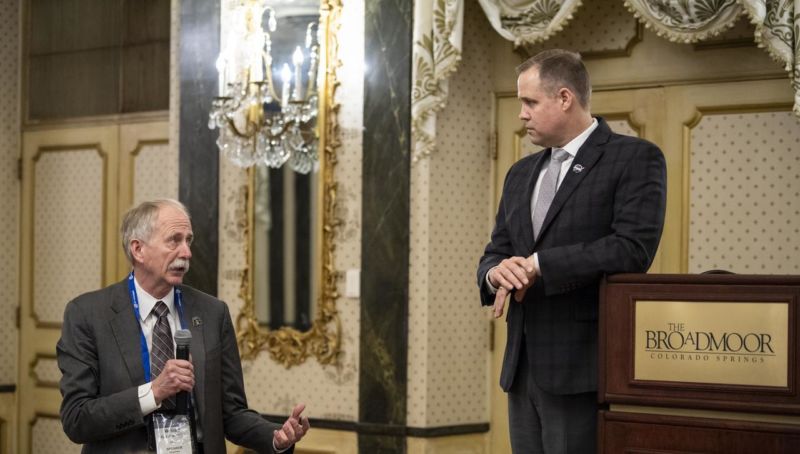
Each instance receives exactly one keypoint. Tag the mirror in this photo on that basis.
(284, 242)
(289, 286)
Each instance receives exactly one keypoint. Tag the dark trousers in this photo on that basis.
(544, 423)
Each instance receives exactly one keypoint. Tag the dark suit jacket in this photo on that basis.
(99, 355)
(606, 218)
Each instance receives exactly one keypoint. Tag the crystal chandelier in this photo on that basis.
(256, 126)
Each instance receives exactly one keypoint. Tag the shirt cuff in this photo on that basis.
(492, 288)
(147, 401)
(275, 448)
(536, 264)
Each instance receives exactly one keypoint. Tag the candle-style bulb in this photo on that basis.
(297, 56)
(286, 74)
(272, 23)
(286, 77)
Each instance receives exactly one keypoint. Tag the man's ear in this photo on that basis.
(566, 97)
(135, 247)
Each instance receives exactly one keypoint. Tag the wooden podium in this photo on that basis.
(699, 364)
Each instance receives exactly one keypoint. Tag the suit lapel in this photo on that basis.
(126, 332)
(193, 319)
(587, 156)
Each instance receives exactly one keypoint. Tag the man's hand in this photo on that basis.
(512, 273)
(499, 302)
(292, 430)
(178, 375)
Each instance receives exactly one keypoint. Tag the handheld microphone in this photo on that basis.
(183, 337)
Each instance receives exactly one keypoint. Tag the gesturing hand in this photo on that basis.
(292, 430)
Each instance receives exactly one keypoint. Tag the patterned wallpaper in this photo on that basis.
(330, 392)
(9, 186)
(448, 331)
(46, 371)
(155, 173)
(68, 217)
(48, 437)
(744, 212)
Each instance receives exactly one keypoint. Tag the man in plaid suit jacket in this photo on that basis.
(606, 217)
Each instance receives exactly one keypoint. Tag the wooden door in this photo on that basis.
(76, 183)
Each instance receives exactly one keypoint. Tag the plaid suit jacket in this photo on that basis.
(605, 218)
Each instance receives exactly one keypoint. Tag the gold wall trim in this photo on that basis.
(104, 220)
(286, 345)
(688, 127)
(32, 370)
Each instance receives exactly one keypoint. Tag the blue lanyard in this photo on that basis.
(142, 340)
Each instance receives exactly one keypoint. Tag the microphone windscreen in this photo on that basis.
(183, 337)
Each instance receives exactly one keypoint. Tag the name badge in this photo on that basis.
(173, 434)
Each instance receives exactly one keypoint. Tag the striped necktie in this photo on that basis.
(162, 347)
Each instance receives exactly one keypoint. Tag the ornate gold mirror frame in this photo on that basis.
(287, 345)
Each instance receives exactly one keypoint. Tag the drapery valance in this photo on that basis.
(777, 23)
(437, 51)
(686, 21)
(528, 21)
(438, 32)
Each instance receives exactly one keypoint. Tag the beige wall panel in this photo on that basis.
(48, 438)
(9, 186)
(8, 418)
(448, 332)
(149, 165)
(744, 203)
(455, 444)
(156, 173)
(68, 226)
(45, 371)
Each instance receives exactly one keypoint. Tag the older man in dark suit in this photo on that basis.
(590, 204)
(116, 351)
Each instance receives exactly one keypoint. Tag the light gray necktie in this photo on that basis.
(547, 190)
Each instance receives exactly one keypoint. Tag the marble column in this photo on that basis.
(385, 234)
(199, 157)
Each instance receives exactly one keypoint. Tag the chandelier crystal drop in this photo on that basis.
(256, 125)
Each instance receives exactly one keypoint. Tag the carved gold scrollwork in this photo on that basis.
(287, 345)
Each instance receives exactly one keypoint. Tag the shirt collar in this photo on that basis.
(147, 301)
(575, 144)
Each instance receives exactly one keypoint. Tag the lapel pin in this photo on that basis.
(197, 321)
(577, 168)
